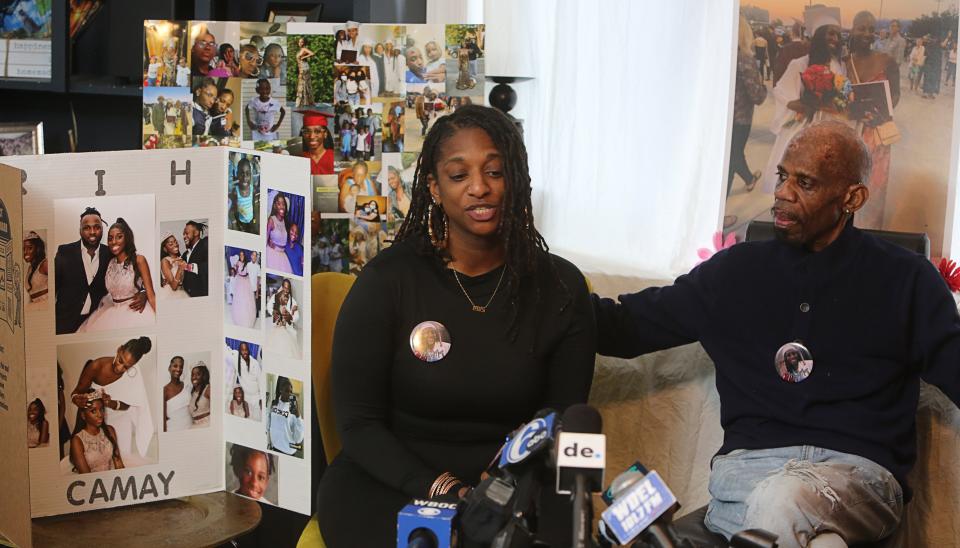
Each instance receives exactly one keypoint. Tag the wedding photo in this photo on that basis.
(117, 235)
(186, 396)
(111, 392)
(285, 329)
(184, 255)
(241, 287)
(285, 424)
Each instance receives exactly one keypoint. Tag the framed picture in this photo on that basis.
(21, 138)
(292, 12)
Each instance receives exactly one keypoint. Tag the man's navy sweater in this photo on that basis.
(876, 319)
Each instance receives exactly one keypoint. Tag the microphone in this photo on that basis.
(426, 524)
(642, 506)
(581, 458)
(523, 458)
(608, 495)
(486, 509)
(532, 438)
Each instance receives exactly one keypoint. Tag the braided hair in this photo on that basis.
(524, 246)
(129, 247)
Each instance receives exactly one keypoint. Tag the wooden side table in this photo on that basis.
(198, 521)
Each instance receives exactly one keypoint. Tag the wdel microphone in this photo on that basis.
(581, 459)
(642, 504)
(426, 524)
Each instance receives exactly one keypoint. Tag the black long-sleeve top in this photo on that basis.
(876, 319)
(404, 421)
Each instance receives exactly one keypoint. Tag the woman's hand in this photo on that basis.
(80, 400)
(107, 400)
(798, 105)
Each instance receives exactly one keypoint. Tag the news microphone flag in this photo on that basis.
(534, 436)
(633, 511)
(426, 517)
(580, 453)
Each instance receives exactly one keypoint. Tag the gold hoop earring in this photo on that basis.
(441, 243)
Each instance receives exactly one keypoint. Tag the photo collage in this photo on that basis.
(263, 265)
(116, 386)
(117, 296)
(356, 99)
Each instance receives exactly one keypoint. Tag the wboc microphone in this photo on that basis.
(581, 459)
(426, 524)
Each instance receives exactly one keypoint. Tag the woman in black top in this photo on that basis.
(515, 324)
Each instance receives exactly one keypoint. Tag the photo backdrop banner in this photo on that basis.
(356, 99)
(888, 71)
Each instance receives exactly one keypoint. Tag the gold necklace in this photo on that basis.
(476, 307)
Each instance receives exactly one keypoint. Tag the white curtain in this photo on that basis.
(455, 11)
(627, 127)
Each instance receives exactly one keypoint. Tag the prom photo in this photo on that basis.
(187, 393)
(284, 317)
(105, 263)
(36, 269)
(242, 287)
(111, 392)
(285, 232)
(184, 267)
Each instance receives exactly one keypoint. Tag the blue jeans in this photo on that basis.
(800, 492)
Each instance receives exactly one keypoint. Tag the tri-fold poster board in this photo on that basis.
(154, 330)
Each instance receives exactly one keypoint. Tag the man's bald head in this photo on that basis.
(841, 153)
(820, 184)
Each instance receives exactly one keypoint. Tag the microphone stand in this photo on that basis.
(582, 513)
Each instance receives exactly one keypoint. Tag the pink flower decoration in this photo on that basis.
(719, 242)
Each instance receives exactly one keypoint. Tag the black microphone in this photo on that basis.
(524, 458)
(485, 510)
(581, 458)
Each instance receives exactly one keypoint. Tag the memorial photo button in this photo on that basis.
(804, 307)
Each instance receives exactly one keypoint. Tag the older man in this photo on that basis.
(820, 460)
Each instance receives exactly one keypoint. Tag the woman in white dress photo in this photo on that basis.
(127, 275)
(35, 258)
(171, 268)
(247, 373)
(200, 396)
(243, 306)
(176, 397)
(125, 399)
(282, 335)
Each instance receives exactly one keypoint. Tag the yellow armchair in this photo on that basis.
(328, 290)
